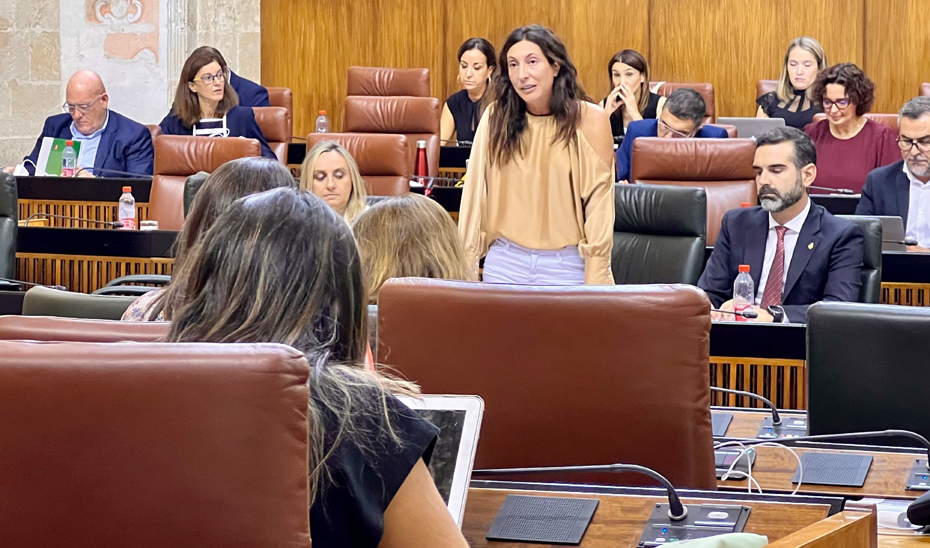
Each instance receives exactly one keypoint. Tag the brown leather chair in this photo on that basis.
(154, 129)
(766, 86)
(722, 167)
(925, 89)
(381, 159)
(890, 120)
(50, 328)
(153, 444)
(179, 156)
(567, 373)
(282, 97)
(379, 81)
(276, 125)
(415, 117)
(706, 91)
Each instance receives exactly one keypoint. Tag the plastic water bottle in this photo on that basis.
(68, 160)
(322, 123)
(744, 292)
(127, 209)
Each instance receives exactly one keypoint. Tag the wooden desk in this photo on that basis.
(620, 519)
(86, 198)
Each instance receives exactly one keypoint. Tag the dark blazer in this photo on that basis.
(250, 94)
(650, 128)
(239, 120)
(825, 265)
(125, 145)
(887, 191)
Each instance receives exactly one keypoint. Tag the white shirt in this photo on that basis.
(89, 144)
(918, 210)
(791, 239)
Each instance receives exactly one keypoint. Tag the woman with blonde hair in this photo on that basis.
(804, 59)
(406, 236)
(330, 172)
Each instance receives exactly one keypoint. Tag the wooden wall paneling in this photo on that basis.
(734, 43)
(897, 50)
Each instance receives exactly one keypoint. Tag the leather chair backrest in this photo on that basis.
(890, 120)
(50, 328)
(192, 186)
(561, 387)
(154, 129)
(44, 301)
(281, 97)
(415, 117)
(706, 90)
(276, 125)
(865, 366)
(381, 159)
(379, 81)
(9, 221)
(925, 89)
(659, 234)
(722, 167)
(153, 444)
(179, 156)
(871, 290)
(766, 86)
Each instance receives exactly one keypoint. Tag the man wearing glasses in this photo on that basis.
(110, 142)
(901, 189)
(681, 117)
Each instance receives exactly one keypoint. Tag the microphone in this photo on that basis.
(676, 510)
(906, 241)
(776, 419)
(20, 282)
(749, 314)
(833, 190)
(114, 224)
(93, 170)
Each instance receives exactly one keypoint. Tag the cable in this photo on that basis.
(765, 444)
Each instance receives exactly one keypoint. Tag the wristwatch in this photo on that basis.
(777, 312)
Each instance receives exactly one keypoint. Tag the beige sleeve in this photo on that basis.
(474, 197)
(596, 180)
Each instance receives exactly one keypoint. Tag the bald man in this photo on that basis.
(110, 142)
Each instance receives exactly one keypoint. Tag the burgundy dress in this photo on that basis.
(846, 163)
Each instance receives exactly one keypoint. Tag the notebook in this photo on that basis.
(459, 420)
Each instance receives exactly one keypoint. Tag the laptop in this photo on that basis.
(750, 127)
(893, 233)
(459, 420)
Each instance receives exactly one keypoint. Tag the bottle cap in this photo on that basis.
(127, 189)
(322, 113)
(745, 204)
(421, 144)
(744, 268)
(69, 143)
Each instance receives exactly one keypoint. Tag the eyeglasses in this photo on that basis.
(923, 145)
(840, 104)
(82, 107)
(675, 133)
(209, 78)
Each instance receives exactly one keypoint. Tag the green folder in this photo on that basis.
(50, 154)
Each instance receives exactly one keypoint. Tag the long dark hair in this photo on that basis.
(281, 266)
(490, 56)
(186, 104)
(508, 118)
(635, 60)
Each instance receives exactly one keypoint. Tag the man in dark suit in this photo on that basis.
(901, 189)
(250, 94)
(798, 253)
(109, 140)
(681, 117)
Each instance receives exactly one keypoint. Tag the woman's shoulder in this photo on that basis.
(595, 127)
(241, 113)
(881, 129)
(766, 100)
(817, 129)
(172, 124)
(456, 98)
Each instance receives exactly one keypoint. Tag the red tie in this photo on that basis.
(776, 280)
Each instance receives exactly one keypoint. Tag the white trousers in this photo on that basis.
(508, 263)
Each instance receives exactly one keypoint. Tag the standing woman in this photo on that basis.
(804, 60)
(205, 103)
(462, 111)
(539, 196)
(630, 98)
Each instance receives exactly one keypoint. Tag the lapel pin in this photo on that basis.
(810, 245)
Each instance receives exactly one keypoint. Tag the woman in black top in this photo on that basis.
(463, 109)
(804, 59)
(369, 484)
(630, 100)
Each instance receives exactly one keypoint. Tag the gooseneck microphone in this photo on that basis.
(95, 170)
(113, 224)
(776, 419)
(748, 314)
(850, 436)
(905, 241)
(676, 510)
(833, 190)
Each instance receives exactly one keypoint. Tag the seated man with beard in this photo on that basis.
(798, 253)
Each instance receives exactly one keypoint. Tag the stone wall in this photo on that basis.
(137, 46)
